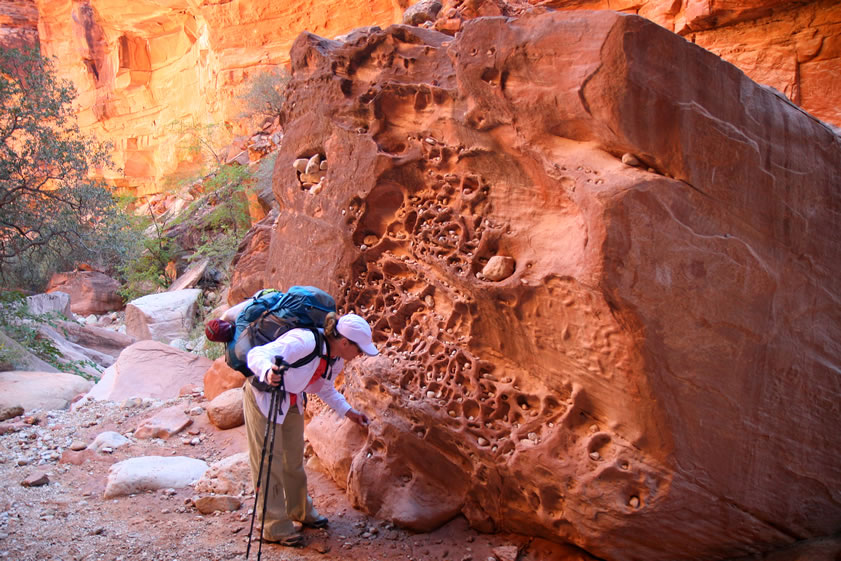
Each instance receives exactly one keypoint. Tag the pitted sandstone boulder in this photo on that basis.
(658, 318)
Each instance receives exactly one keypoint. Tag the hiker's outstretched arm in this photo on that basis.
(336, 401)
(358, 417)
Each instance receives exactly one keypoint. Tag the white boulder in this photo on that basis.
(163, 317)
(136, 475)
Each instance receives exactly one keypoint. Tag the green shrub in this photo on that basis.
(265, 93)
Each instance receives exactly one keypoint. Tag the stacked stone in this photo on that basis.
(312, 173)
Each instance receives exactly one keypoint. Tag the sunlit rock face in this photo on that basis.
(18, 23)
(790, 45)
(148, 68)
(657, 376)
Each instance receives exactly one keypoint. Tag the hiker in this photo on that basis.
(345, 338)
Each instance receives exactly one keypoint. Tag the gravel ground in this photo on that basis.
(68, 518)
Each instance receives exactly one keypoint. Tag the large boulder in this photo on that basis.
(14, 356)
(106, 342)
(785, 44)
(149, 369)
(225, 410)
(220, 378)
(163, 317)
(662, 360)
(91, 292)
(40, 390)
(88, 361)
(56, 302)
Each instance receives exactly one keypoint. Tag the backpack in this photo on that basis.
(272, 313)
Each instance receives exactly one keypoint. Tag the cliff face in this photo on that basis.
(602, 266)
(147, 69)
(18, 22)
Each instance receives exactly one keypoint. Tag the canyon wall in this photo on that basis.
(148, 71)
(602, 267)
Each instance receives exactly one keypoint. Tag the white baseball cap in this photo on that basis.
(355, 328)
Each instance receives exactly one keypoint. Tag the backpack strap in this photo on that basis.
(320, 342)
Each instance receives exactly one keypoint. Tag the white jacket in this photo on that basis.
(294, 345)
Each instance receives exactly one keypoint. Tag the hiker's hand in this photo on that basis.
(274, 375)
(358, 417)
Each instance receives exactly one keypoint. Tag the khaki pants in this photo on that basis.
(287, 485)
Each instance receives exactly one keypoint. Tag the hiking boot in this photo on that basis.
(319, 522)
(292, 540)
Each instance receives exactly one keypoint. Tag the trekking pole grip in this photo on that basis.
(282, 367)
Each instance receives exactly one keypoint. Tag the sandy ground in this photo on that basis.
(68, 518)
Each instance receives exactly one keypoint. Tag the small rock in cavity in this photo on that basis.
(630, 160)
(300, 164)
(595, 455)
(634, 502)
(499, 267)
(482, 441)
(313, 165)
(506, 552)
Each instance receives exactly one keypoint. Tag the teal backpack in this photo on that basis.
(272, 313)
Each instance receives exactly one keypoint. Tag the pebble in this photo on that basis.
(630, 160)
(300, 164)
(36, 480)
(595, 455)
(321, 547)
(634, 502)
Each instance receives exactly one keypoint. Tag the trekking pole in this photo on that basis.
(273, 420)
(269, 422)
(278, 392)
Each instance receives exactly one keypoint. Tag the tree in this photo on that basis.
(265, 93)
(52, 211)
